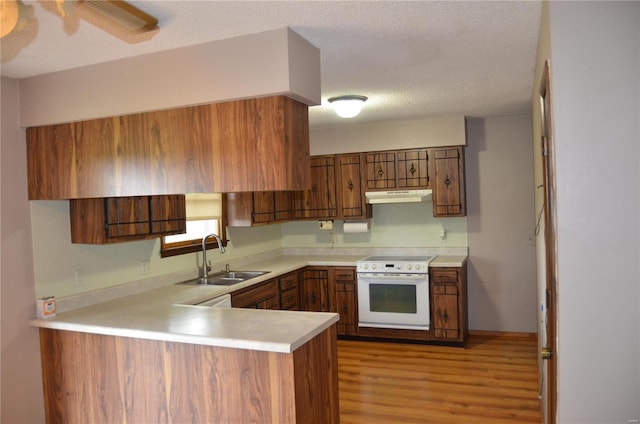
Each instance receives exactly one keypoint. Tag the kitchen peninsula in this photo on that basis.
(154, 357)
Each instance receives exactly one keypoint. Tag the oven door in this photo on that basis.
(393, 301)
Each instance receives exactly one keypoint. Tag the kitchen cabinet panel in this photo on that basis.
(314, 283)
(413, 169)
(381, 171)
(289, 291)
(259, 208)
(449, 198)
(449, 315)
(320, 202)
(351, 197)
(263, 295)
(246, 145)
(346, 292)
(118, 219)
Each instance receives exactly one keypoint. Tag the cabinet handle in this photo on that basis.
(445, 317)
(313, 298)
(447, 181)
(313, 189)
(344, 309)
(350, 185)
(380, 171)
(412, 169)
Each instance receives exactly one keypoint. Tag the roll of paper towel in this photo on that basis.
(356, 226)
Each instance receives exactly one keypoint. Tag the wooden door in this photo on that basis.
(168, 214)
(263, 207)
(315, 290)
(350, 194)
(449, 187)
(283, 205)
(549, 352)
(381, 171)
(413, 169)
(320, 202)
(127, 216)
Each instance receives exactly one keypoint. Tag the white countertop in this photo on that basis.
(155, 314)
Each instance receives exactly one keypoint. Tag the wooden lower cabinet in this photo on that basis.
(449, 319)
(289, 291)
(92, 378)
(346, 291)
(316, 295)
(263, 295)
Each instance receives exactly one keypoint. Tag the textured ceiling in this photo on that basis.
(412, 59)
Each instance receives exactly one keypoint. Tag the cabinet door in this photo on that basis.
(381, 171)
(263, 207)
(346, 304)
(350, 193)
(168, 214)
(449, 304)
(449, 186)
(283, 205)
(315, 290)
(127, 216)
(444, 301)
(413, 169)
(320, 201)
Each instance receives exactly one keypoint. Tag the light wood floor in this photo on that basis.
(493, 380)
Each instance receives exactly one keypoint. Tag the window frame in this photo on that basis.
(195, 245)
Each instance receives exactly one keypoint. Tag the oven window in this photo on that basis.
(395, 298)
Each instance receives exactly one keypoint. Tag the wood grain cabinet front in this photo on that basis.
(257, 144)
(449, 196)
(289, 291)
(320, 202)
(250, 209)
(119, 219)
(315, 295)
(263, 295)
(350, 193)
(346, 289)
(449, 317)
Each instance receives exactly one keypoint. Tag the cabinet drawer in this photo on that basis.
(445, 289)
(444, 275)
(345, 274)
(255, 294)
(290, 299)
(289, 281)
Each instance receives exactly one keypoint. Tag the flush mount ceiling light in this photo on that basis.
(9, 16)
(347, 106)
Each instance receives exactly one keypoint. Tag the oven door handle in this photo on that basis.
(396, 277)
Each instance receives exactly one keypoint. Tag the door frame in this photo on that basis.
(550, 242)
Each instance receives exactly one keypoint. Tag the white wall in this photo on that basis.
(595, 77)
(22, 400)
(427, 132)
(501, 224)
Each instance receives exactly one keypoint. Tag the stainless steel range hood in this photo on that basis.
(399, 196)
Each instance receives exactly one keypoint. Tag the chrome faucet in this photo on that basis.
(204, 272)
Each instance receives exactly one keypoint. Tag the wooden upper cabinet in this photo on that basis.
(320, 202)
(398, 170)
(245, 145)
(449, 197)
(118, 219)
(350, 194)
(248, 209)
(381, 171)
(413, 169)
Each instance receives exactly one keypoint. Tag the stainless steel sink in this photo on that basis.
(224, 278)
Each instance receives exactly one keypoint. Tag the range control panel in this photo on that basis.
(395, 264)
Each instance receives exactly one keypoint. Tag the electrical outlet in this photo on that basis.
(79, 277)
(145, 267)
